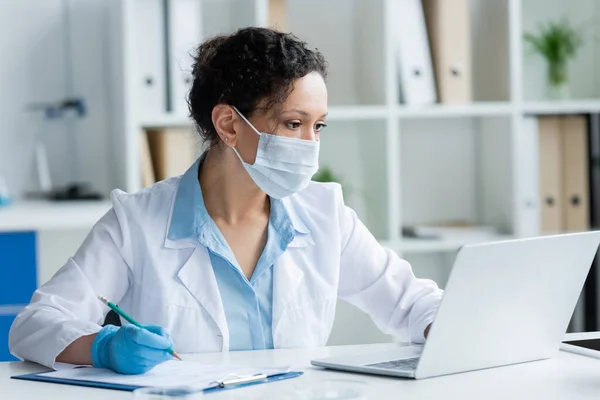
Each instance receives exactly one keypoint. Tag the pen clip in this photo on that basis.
(238, 380)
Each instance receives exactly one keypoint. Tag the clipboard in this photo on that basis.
(40, 377)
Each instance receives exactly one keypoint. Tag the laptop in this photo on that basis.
(505, 303)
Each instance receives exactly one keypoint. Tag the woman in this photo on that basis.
(241, 252)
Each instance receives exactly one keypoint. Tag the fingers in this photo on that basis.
(151, 357)
(143, 337)
(133, 350)
(159, 330)
(142, 365)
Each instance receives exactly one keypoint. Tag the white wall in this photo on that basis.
(30, 70)
(351, 149)
(34, 68)
(353, 46)
(54, 249)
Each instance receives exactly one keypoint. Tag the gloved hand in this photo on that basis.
(129, 349)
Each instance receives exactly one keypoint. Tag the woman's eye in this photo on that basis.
(293, 125)
(320, 126)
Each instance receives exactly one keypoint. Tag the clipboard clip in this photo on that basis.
(233, 380)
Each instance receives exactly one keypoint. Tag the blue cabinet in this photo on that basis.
(17, 267)
(18, 280)
(5, 323)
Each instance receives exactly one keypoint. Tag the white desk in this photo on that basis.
(568, 376)
(25, 215)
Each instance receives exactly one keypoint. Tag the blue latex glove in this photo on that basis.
(129, 349)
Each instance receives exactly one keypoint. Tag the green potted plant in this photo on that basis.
(326, 174)
(557, 42)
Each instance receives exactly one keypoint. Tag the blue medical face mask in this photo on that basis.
(283, 165)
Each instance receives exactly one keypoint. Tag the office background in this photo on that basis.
(458, 146)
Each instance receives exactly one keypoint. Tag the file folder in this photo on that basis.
(148, 176)
(173, 151)
(448, 26)
(414, 57)
(277, 15)
(576, 196)
(550, 167)
(150, 66)
(529, 175)
(184, 38)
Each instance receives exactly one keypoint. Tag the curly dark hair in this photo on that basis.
(245, 68)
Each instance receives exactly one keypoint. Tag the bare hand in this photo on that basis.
(426, 333)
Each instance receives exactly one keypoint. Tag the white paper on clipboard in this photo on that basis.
(170, 373)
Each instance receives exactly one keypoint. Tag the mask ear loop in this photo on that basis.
(246, 119)
(251, 126)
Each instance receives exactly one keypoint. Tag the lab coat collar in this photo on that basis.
(187, 211)
(189, 215)
(303, 235)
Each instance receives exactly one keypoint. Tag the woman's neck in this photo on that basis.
(230, 195)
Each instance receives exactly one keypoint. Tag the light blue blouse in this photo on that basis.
(248, 304)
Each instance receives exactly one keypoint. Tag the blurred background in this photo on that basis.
(451, 122)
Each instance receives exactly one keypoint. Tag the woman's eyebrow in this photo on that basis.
(301, 112)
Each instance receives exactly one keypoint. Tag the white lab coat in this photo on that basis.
(128, 259)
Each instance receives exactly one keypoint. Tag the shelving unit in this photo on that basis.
(397, 161)
(399, 164)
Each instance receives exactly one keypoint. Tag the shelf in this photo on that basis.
(426, 111)
(45, 215)
(349, 113)
(367, 112)
(562, 107)
(444, 245)
(336, 113)
(483, 109)
(166, 121)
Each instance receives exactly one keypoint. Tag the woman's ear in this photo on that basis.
(223, 118)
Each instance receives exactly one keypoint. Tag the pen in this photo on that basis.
(241, 379)
(123, 314)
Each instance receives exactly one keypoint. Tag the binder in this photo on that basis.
(277, 15)
(185, 35)
(527, 158)
(414, 57)
(576, 207)
(148, 176)
(173, 151)
(150, 46)
(550, 167)
(594, 169)
(449, 37)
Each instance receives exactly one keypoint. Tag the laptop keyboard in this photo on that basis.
(403, 365)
